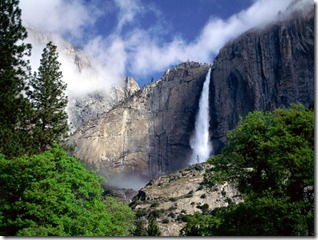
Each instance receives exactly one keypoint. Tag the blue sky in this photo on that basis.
(142, 38)
(180, 17)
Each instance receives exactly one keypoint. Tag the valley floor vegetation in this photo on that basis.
(270, 159)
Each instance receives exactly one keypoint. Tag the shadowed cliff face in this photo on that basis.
(263, 69)
(148, 134)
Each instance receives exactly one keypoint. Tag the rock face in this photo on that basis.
(89, 107)
(148, 134)
(170, 198)
(263, 69)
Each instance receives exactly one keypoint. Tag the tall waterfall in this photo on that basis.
(199, 142)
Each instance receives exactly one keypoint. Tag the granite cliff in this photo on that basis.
(147, 135)
(88, 107)
(263, 69)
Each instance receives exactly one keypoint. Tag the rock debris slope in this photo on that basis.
(170, 198)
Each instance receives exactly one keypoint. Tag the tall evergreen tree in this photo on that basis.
(153, 229)
(14, 72)
(49, 101)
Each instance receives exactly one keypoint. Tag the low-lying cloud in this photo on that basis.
(130, 49)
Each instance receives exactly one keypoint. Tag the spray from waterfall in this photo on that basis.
(200, 141)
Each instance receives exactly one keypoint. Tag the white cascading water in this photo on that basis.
(200, 141)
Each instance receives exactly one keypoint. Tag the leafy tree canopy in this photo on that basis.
(53, 194)
(270, 158)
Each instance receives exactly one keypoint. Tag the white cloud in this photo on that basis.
(149, 56)
(58, 16)
(130, 48)
(128, 9)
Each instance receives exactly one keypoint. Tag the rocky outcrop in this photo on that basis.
(170, 198)
(90, 106)
(148, 134)
(265, 68)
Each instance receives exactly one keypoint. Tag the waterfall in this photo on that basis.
(200, 141)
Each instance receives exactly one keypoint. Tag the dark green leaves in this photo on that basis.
(270, 158)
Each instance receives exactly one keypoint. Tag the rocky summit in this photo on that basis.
(148, 133)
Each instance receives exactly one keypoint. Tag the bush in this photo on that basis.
(165, 221)
(154, 205)
(204, 208)
(141, 212)
(198, 167)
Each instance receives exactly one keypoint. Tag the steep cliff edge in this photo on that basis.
(148, 134)
(263, 69)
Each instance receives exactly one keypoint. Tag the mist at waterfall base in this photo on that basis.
(200, 140)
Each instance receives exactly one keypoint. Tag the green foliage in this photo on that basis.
(141, 212)
(204, 208)
(197, 225)
(165, 221)
(182, 218)
(153, 229)
(270, 151)
(140, 229)
(203, 196)
(14, 72)
(52, 194)
(198, 167)
(270, 158)
(266, 216)
(49, 101)
(121, 216)
(154, 205)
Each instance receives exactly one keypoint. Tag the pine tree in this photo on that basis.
(153, 229)
(140, 228)
(49, 101)
(14, 73)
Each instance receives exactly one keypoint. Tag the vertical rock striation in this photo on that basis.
(147, 135)
(265, 68)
